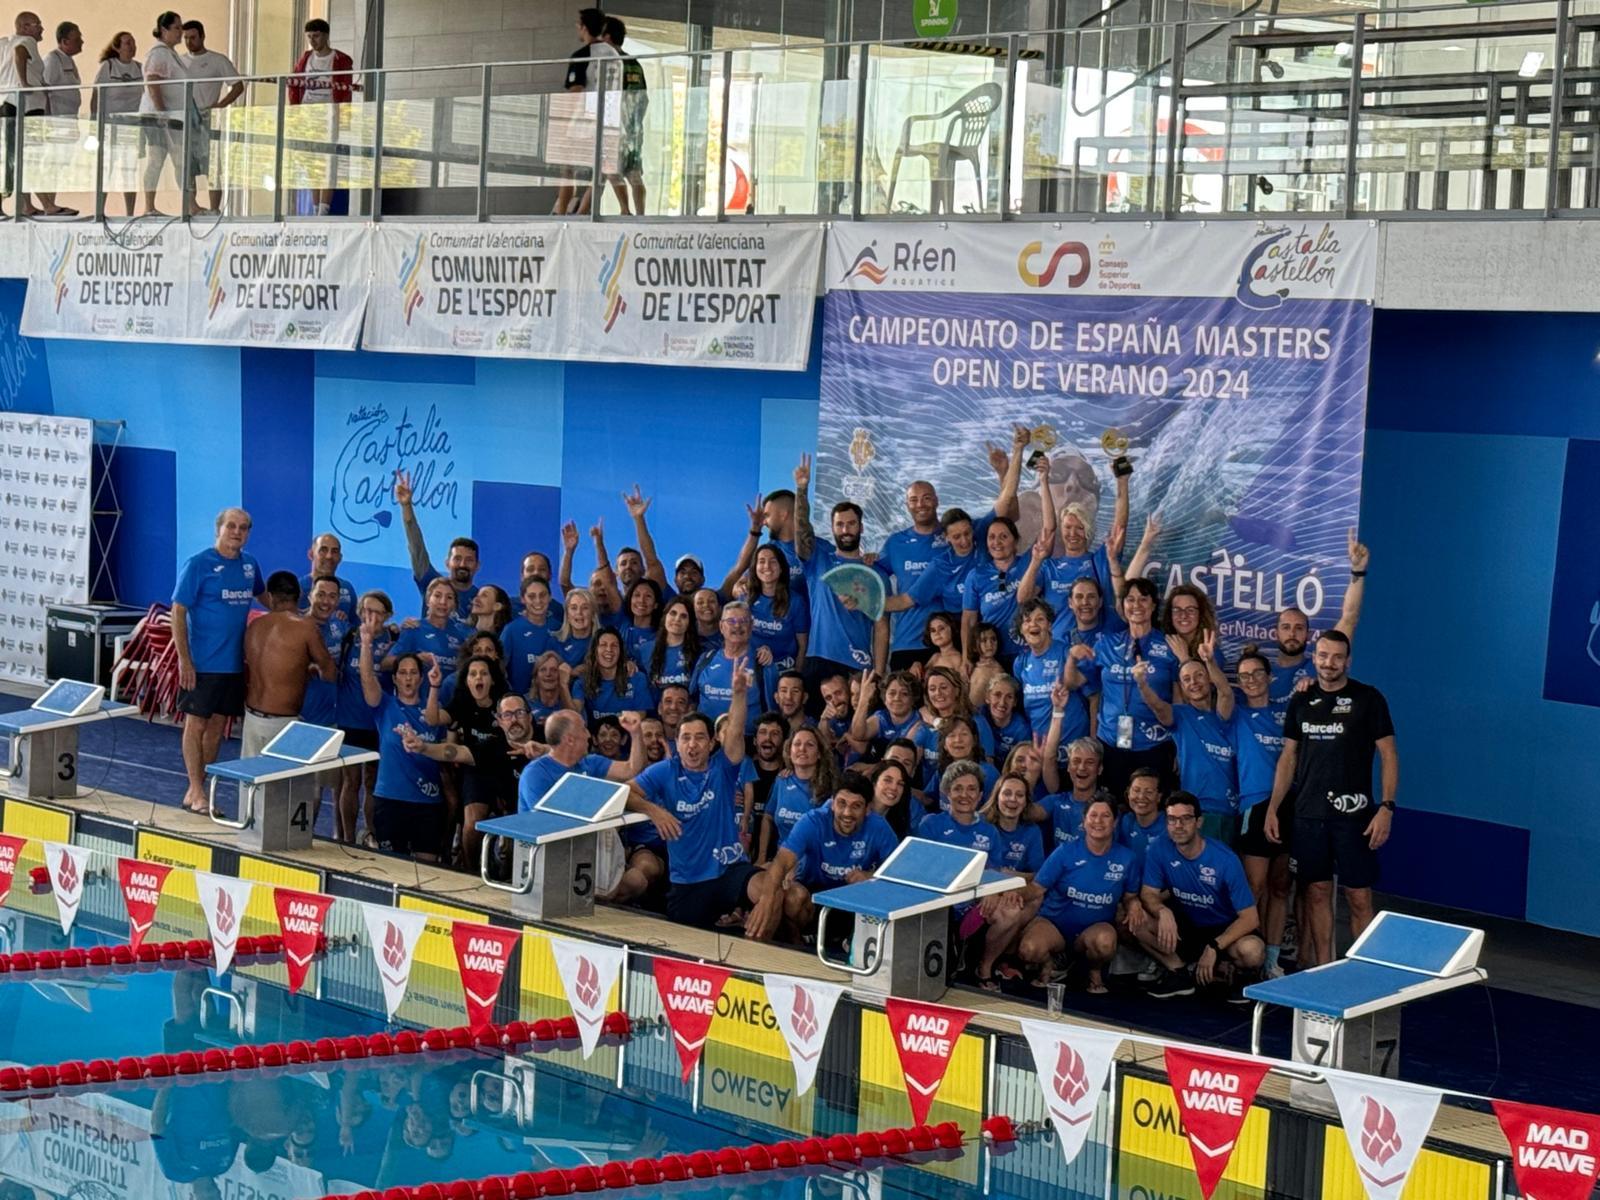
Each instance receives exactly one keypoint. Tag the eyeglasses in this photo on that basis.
(1258, 673)
(510, 714)
(1185, 610)
(1175, 819)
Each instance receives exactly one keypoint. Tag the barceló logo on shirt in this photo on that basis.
(689, 993)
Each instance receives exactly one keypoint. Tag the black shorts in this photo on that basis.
(407, 828)
(704, 904)
(904, 660)
(1252, 840)
(361, 739)
(214, 694)
(1325, 849)
(1192, 938)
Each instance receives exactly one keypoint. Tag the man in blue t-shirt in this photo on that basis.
(1201, 906)
(711, 686)
(326, 554)
(838, 843)
(710, 875)
(461, 563)
(842, 639)
(210, 608)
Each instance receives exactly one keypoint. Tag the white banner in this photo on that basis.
(83, 1145)
(281, 285)
(477, 289)
(1386, 1123)
(696, 295)
(45, 489)
(16, 249)
(1261, 264)
(392, 933)
(1072, 1063)
(224, 901)
(588, 973)
(118, 285)
(68, 866)
(804, 1009)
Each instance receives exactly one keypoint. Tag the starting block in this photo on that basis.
(902, 930)
(556, 846)
(43, 763)
(278, 787)
(1347, 1013)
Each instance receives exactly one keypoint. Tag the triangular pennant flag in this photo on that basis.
(141, 892)
(1213, 1092)
(10, 852)
(1385, 1123)
(1553, 1152)
(689, 993)
(301, 916)
(925, 1037)
(588, 973)
(393, 934)
(68, 866)
(482, 952)
(223, 900)
(1072, 1063)
(804, 1010)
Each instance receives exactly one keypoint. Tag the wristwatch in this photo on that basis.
(1389, 804)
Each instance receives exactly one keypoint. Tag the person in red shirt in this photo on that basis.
(323, 75)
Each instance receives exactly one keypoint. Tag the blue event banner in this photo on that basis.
(1228, 362)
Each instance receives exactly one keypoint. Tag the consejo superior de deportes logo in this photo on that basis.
(1046, 277)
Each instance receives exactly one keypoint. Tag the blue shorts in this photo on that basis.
(705, 903)
(1070, 924)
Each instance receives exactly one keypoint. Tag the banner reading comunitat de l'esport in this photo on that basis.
(696, 295)
(280, 285)
(483, 289)
(1229, 361)
(108, 284)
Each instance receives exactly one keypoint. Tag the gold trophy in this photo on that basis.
(1115, 444)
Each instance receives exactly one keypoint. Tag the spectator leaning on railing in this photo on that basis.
(118, 65)
(21, 68)
(323, 75)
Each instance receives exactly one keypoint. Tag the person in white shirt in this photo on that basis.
(164, 111)
(208, 68)
(21, 67)
(62, 101)
(584, 72)
(118, 65)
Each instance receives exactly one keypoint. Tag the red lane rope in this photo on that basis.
(542, 1035)
(840, 1149)
(168, 954)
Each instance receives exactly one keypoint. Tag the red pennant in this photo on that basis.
(1553, 1152)
(141, 892)
(482, 952)
(689, 993)
(10, 852)
(925, 1038)
(300, 917)
(1214, 1092)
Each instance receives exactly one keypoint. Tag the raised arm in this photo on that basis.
(747, 552)
(1356, 592)
(1047, 505)
(1161, 708)
(860, 731)
(639, 504)
(1005, 504)
(433, 714)
(1119, 511)
(1028, 585)
(1050, 752)
(1147, 545)
(569, 546)
(738, 709)
(805, 538)
(602, 566)
(1219, 680)
(371, 689)
(416, 546)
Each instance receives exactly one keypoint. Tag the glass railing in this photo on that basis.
(1247, 111)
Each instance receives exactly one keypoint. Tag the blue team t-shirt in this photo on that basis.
(779, 634)
(403, 776)
(321, 703)
(1083, 888)
(573, 650)
(1206, 757)
(218, 591)
(1211, 888)
(1038, 673)
(608, 701)
(705, 805)
(1004, 737)
(351, 710)
(1257, 746)
(711, 688)
(980, 835)
(789, 801)
(1021, 849)
(909, 555)
(539, 776)
(1137, 837)
(1112, 670)
(522, 644)
(444, 644)
(827, 856)
(991, 592)
(463, 599)
(344, 611)
(837, 634)
(1057, 575)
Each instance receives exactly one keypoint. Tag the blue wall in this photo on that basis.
(1482, 486)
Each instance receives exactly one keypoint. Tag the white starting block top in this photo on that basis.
(920, 876)
(67, 702)
(1397, 960)
(300, 748)
(576, 805)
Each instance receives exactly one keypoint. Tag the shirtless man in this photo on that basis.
(280, 651)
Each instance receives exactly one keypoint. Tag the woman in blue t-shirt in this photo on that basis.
(409, 805)
(571, 641)
(609, 683)
(355, 719)
(1021, 853)
(780, 619)
(807, 780)
(552, 687)
(642, 604)
(676, 649)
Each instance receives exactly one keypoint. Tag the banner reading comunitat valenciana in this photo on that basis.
(466, 289)
(1228, 361)
(110, 284)
(691, 295)
(280, 285)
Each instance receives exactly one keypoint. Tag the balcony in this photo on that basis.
(1439, 111)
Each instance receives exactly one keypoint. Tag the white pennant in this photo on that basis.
(68, 865)
(1386, 1123)
(588, 973)
(393, 934)
(224, 900)
(804, 1010)
(1072, 1063)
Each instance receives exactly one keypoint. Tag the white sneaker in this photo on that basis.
(1272, 972)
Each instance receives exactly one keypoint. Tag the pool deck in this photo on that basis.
(1454, 1125)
